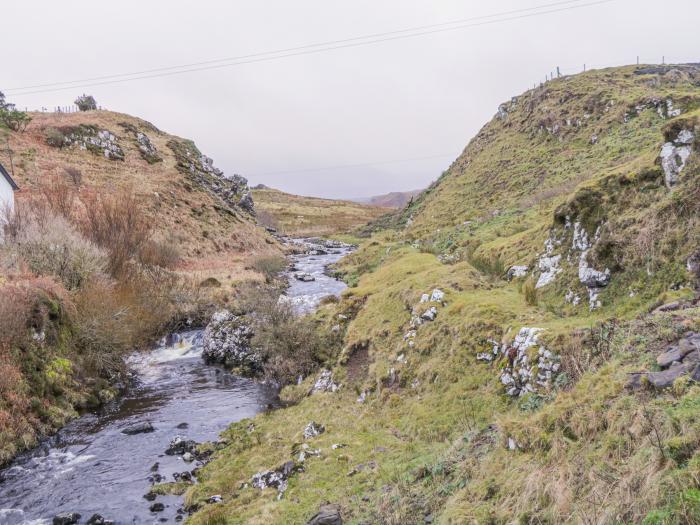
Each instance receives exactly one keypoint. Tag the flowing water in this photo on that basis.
(91, 467)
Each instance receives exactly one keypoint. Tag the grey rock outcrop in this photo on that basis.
(674, 155)
(327, 515)
(679, 360)
(226, 341)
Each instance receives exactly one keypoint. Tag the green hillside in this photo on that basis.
(491, 330)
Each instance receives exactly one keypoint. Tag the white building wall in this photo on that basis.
(7, 196)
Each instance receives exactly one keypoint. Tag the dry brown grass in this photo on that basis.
(178, 208)
(309, 216)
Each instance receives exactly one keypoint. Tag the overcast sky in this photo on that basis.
(351, 122)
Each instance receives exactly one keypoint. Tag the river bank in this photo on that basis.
(105, 462)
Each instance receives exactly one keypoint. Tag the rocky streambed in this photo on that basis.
(104, 463)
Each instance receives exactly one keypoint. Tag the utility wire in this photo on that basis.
(311, 48)
(298, 48)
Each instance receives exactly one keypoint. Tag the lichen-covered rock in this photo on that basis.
(233, 190)
(147, 148)
(226, 341)
(101, 142)
(313, 429)
(324, 383)
(277, 478)
(515, 272)
(674, 155)
(430, 314)
(530, 365)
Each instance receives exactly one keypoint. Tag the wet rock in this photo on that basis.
(226, 341)
(66, 518)
(182, 426)
(183, 476)
(138, 428)
(313, 429)
(157, 507)
(324, 383)
(187, 457)
(150, 496)
(179, 446)
(327, 515)
(304, 277)
(97, 519)
(155, 467)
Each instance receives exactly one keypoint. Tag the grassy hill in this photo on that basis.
(175, 185)
(490, 332)
(310, 216)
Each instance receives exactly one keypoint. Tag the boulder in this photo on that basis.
(430, 314)
(669, 356)
(304, 277)
(157, 507)
(275, 478)
(138, 428)
(97, 519)
(66, 518)
(226, 341)
(179, 446)
(327, 515)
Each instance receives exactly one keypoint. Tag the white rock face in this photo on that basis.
(524, 374)
(549, 266)
(515, 272)
(325, 383)
(437, 296)
(594, 280)
(674, 156)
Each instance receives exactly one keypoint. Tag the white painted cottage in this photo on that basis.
(7, 191)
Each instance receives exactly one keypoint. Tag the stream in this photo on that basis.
(92, 467)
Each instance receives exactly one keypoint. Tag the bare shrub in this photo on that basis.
(86, 103)
(290, 346)
(269, 265)
(59, 196)
(118, 224)
(164, 254)
(75, 175)
(49, 245)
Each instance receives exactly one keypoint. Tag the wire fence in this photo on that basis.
(568, 70)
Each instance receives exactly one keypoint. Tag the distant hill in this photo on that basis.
(394, 199)
(306, 216)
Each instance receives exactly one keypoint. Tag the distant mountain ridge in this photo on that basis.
(394, 199)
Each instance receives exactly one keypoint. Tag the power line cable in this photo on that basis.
(298, 48)
(305, 50)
